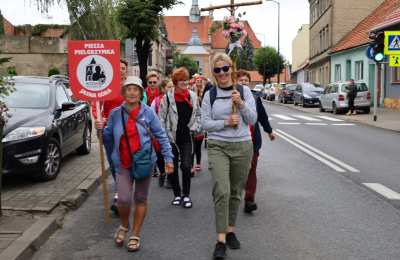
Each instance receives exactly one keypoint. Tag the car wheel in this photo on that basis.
(52, 162)
(86, 142)
(335, 109)
(367, 110)
(284, 101)
(294, 102)
(321, 109)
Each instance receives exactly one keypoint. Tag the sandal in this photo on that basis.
(134, 244)
(176, 201)
(119, 236)
(187, 202)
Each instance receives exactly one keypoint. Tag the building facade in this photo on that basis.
(330, 21)
(301, 54)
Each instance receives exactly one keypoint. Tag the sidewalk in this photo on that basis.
(388, 119)
(31, 210)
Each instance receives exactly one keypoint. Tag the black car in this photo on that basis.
(287, 93)
(307, 94)
(44, 124)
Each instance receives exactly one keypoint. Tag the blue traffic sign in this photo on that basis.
(370, 53)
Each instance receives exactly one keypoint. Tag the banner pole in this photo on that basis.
(103, 169)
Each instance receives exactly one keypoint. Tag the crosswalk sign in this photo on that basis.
(394, 61)
(392, 42)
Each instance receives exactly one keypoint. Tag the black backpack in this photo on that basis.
(213, 94)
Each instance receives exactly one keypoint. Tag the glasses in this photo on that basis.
(218, 70)
(152, 82)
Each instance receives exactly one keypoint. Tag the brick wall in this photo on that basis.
(8, 27)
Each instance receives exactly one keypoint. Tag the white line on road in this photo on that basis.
(288, 123)
(308, 118)
(330, 118)
(288, 118)
(312, 154)
(344, 124)
(327, 156)
(383, 190)
(316, 124)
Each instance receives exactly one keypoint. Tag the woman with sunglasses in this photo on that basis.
(230, 148)
(180, 116)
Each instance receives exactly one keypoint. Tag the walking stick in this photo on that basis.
(103, 168)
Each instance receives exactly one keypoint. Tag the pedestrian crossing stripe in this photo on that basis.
(306, 118)
(392, 43)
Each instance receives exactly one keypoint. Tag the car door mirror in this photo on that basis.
(68, 106)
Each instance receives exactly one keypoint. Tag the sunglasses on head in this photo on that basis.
(218, 70)
(153, 82)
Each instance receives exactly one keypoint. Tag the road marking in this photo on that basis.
(308, 118)
(327, 156)
(288, 123)
(312, 154)
(316, 124)
(383, 190)
(330, 118)
(343, 124)
(287, 118)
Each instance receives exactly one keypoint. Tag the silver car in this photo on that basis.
(334, 98)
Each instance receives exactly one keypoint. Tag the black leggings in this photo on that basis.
(197, 150)
(183, 154)
(351, 104)
(160, 163)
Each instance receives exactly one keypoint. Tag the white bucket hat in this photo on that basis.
(133, 80)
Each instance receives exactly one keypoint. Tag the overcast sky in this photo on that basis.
(263, 18)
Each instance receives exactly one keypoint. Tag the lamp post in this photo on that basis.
(279, 28)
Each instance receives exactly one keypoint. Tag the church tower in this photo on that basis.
(194, 12)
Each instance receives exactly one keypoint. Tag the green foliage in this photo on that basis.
(53, 71)
(142, 22)
(268, 63)
(12, 71)
(187, 62)
(216, 25)
(246, 56)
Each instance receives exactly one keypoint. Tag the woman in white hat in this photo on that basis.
(131, 129)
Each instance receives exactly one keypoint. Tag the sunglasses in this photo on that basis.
(152, 82)
(218, 70)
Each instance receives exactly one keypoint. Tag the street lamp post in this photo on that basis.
(279, 31)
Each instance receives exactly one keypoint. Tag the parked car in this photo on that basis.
(270, 92)
(334, 98)
(287, 93)
(260, 88)
(307, 94)
(44, 125)
(278, 88)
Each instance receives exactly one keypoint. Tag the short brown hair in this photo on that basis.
(152, 74)
(180, 74)
(124, 62)
(164, 84)
(242, 73)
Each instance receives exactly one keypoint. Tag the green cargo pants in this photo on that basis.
(229, 164)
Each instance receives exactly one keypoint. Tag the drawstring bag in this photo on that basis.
(142, 164)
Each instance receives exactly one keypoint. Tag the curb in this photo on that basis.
(36, 235)
(346, 119)
(25, 246)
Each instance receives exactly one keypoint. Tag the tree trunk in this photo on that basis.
(143, 48)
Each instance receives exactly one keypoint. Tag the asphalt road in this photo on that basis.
(313, 203)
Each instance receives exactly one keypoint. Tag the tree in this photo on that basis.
(246, 56)
(90, 19)
(142, 20)
(187, 62)
(53, 71)
(5, 90)
(267, 62)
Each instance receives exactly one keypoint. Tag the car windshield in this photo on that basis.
(361, 87)
(29, 96)
(291, 87)
(308, 88)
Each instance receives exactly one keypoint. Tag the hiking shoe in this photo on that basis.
(232, 241)
(249, 207)
(220, 251)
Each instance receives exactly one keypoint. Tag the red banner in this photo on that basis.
(94, 71)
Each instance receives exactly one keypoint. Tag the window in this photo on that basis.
(328, 44)
(359, 70)
(320, 41)
(338, 72)
(396, 75)
(61, 96)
